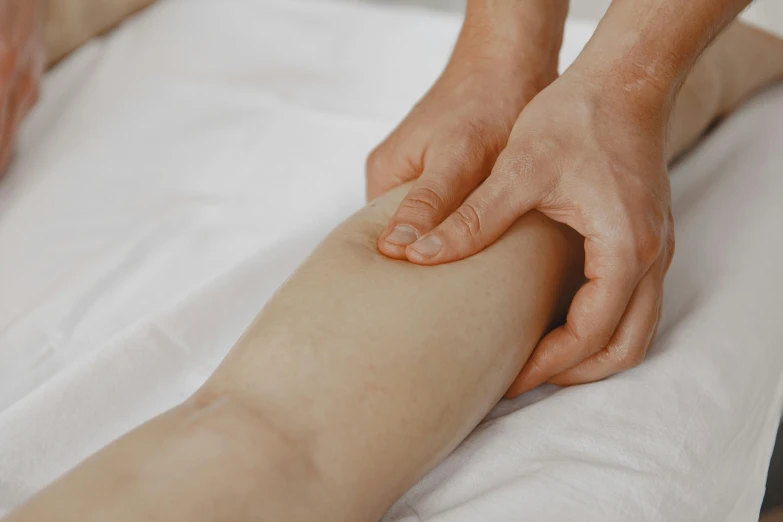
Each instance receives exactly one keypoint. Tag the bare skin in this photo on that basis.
(588, 150)
(335, 389)
(34, 35)
(363, 372)
(70, 24)
(22, 60)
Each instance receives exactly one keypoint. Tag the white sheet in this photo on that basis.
(176, 172)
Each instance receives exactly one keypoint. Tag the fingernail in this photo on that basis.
(428, 247)
(402, 235)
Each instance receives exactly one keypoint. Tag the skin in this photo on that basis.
(613, 191)
(500, 62)
(362, 372)
(21, 66)
(588, 151)
(70, 24)
(35, 34)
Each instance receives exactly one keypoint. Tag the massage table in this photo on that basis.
(177, 170)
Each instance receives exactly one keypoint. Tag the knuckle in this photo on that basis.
(591, 342)
(575, 330)
(649, 246)
(652, 239)
(589, 349)
(422, 201)
(535, 365)
(631, 358)
(467, 219)
(626, 356)
(643, 246)
(671, 244)
(376, 163)
(469, 131)
(645, 254)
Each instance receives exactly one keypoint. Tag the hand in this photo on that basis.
(449, 141)
(591, 158)
(21, 65)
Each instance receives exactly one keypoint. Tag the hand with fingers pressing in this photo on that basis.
(452, 137)
(584, 153)
(594, 160)
(22, 60)
(591, 160)
(588, 151)
(457, 130)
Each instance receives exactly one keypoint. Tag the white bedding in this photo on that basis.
(177, 171)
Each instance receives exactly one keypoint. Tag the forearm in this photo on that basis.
(525, 34)
(738, 63)
(70, 23)
(646, 48)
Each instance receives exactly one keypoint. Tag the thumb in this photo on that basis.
(440, 189)
(481, 219)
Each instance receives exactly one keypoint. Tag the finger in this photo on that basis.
(6, 131)
(440, 189)
(630, 342)
(16, 103)
(26, 94)
(489, 211)
(389, 166)
(13, 107)
(8, 64)
(593, 317)
(671, 243)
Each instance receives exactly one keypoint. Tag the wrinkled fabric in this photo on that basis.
(176, 171)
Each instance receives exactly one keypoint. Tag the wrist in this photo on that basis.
(627, 81)
(643, 51)
(630, 72)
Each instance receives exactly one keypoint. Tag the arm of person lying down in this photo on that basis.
(363, 371)
(71, 23)
(34, 35)
(356, 378)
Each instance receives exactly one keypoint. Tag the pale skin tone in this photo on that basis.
(363, 371)
(22, 60)
(35, 34)
(587, 149)
(500, 134)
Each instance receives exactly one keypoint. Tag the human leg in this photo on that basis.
(357, 377)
